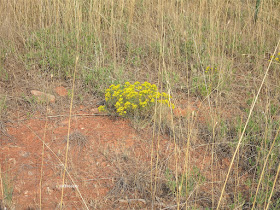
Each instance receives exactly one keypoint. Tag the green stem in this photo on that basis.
(258, 3)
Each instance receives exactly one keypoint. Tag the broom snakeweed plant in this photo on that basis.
(130, 99)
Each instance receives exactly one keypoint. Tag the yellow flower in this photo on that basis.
(107, 96)
(154, 87)
(128, 98)
(101, 108)
(126, 105)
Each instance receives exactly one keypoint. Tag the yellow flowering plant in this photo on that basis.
(129, 99)
(276, 58)
(210, 70)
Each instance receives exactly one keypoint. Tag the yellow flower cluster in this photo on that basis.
(101, 108)
(276, 58)
(129, 98)
(211, 69)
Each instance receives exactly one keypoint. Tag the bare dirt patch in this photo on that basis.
(108, 160)
(92, 172)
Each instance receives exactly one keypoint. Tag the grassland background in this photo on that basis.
(167, 42)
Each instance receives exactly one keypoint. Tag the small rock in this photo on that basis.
(49, 191)
(61, 91)
(24, 154)
(43, 97)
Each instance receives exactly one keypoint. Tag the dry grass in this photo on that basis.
(170, 43)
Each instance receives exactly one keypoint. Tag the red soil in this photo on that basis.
(93, 167)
